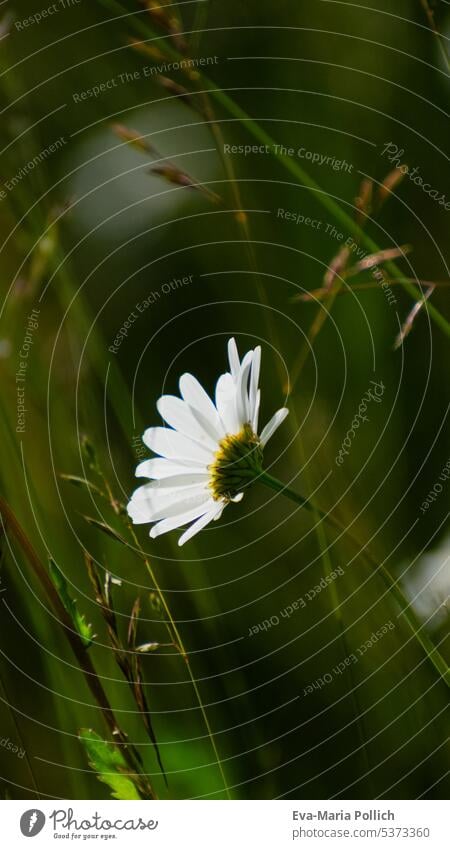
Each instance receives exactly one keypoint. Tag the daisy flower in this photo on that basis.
(208, 455)
(211, 452)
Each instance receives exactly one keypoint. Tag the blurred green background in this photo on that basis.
(89, 232)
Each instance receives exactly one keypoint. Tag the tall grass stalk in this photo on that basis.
(176, 636)
(289, 164)
(11, 525)
(327, 566)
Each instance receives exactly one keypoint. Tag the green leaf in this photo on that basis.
(83, 628)
(108, 763)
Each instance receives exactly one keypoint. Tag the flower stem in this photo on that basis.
(390, 582)
(279, 486)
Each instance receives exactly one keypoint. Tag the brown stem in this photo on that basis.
(9, 521)
(430, 17)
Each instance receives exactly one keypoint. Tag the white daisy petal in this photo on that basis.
(233, 358)
(160, 468)
(159, 505)
(272, 425)
(242, 404)
(156, 498)
(254, 381)
(226, 402)
(175, 446)
(255, 418)
(178, 415)
(180, 481)
(181, 519)
(201, 523)
(179, 507)
(137, 512)
(201, 405)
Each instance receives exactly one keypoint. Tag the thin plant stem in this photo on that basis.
(241, 217)
(319, 294)
(10, 522)
(313, 332)
(440, 39)
(201, 16)
(390, 582)
(67, 290)
(177, 639)
(337, 612)
(291, 165)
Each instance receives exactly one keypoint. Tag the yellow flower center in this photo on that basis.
(237, 463)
